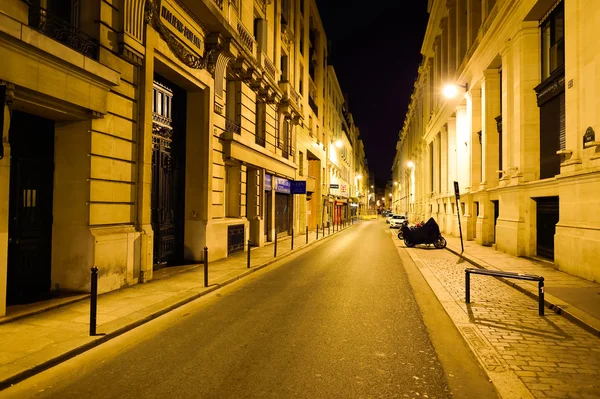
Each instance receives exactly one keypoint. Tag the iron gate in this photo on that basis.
(235, 239)
(547, 218)
(164, 183)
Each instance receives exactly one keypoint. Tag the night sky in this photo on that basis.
(376, 53)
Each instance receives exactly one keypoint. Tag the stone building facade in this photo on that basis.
(137, 132)
(516, 129)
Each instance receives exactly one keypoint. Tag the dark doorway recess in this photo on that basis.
(30, 208)
(496, 214)
(168, 172)
(283, 206)
(547, 218)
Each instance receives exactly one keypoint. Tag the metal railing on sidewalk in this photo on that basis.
(494, 273)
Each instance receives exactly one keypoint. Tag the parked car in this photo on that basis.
(389, 217)
(397, 221)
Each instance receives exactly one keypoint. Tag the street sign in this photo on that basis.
(334, 186)
(457, 195)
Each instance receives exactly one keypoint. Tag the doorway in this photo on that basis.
(496, 215)
(283, 204)
(547, 217)
(168, 172)
(30, 208)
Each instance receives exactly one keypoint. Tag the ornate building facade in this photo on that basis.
(136, 133)
(504, 105)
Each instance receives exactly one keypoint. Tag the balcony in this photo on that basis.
(291, 95)
(219, 3)
(246, 38)
(231, 126)
(267, 65)
(62, 31)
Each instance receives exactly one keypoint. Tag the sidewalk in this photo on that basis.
(524, 355)
(33, 343)
(573, 297)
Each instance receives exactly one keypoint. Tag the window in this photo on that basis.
(553, 44)
(284, 67)
(302, 41)
(301, 83)
(285, 12)
(301, 164)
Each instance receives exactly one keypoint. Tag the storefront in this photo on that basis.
(283, 205)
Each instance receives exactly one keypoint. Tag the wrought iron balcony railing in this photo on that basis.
(231, 126)
(62, 31)
(219, 3)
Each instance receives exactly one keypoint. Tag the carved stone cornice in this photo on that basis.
(216, 47)
(152, 16)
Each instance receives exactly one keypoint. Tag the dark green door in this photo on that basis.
(30, 208)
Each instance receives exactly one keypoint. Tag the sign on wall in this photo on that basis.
(281, 185)
(298, 187)
(344, 188)
(334, 186)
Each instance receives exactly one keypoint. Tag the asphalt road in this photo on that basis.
(339, 320)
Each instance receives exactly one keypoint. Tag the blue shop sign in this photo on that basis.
(267, 182)
(298, 187)
(281, 185)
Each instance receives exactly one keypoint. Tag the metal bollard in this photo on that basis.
(206, 266)
(307, 234)
(324, 229)
(328, 228)
(292, 238)
(93, 300)
(467, 287)
(541, 296)
(249, 243)
(275, 245)
(317, 231)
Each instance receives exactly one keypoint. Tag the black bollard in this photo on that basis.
(93, 300)
(541, 296)
(275, 245)
(249, 243)
(317, 231)
(206, 266)
(328, 229)
(307, 234)
(324, 229)
(467, 287)
(292, 238)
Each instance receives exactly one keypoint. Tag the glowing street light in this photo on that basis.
(451, 90)
(359, 177)
(339, 143)
(410, 164)
(390, 194)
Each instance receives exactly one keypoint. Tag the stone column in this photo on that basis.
(506, 109)
(473, 20)
(451, 37)
(444, 52)
(437, 72)
(476, 144)
(526, 121)
(490, 109)
(451, 176)
(4, 199)
(463, 144)
(461, 31)
(444, 160)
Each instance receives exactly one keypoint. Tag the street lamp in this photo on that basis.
(451, 90)
(339, 143)
(410, 164)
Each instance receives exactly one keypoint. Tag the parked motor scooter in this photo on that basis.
(400, 234)
(428, 234)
